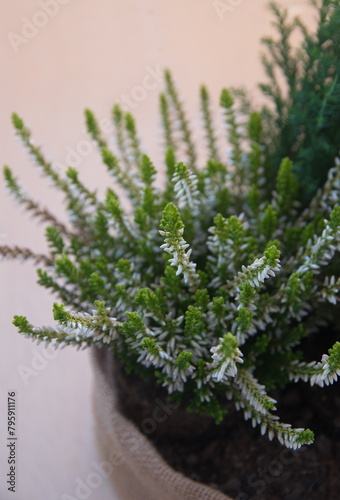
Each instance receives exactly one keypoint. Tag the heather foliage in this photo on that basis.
(208, 285)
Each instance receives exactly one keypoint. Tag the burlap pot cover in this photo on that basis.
(131, 462)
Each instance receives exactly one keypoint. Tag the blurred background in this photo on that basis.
(58, 57)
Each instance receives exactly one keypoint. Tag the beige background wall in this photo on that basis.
(88, 54)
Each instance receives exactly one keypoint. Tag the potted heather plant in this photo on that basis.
(215, 295)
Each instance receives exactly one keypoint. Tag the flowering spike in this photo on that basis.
(172, 229)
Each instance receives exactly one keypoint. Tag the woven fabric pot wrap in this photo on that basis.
(132, 464)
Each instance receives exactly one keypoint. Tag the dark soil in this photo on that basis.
(233, 457)
(240, 462)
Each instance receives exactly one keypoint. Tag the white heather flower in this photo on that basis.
(225, 356)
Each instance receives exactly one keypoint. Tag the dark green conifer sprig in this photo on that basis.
(305, 122)
(209, 283)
